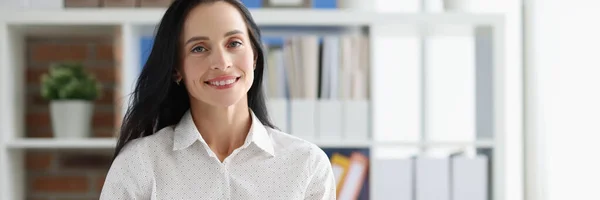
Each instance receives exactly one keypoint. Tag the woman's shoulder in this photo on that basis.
(159, 140)
(286, 139)
(292, 143)
(131, 172)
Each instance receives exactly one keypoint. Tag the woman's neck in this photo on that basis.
(223, 128)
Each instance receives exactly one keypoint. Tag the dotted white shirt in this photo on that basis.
(176, 163)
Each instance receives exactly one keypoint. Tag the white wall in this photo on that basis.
(563, 55)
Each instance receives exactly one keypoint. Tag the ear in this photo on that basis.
(177, 76)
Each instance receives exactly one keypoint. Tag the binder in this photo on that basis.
(355, 177)
(393, 178)
(353, 86)
(331, 108)
(469, 178)
(303, 118)
(432, 178)
(356, 119)
(329, 120)
(279, 112)
(340, 165)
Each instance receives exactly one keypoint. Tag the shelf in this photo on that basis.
(50, 143)
(264, 17)
(343, 144)
(109, 143)
(479, 143)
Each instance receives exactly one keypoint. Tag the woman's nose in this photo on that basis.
(220, 59)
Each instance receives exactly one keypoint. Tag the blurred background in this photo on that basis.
(410, 99)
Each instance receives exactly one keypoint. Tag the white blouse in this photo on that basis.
(176, 163)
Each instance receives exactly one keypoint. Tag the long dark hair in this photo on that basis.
(157, 100)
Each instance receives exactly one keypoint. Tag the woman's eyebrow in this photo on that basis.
(198, 38)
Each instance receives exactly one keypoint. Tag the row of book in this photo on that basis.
(317, 87)
(313, 67)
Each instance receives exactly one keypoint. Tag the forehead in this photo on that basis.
(212, 19)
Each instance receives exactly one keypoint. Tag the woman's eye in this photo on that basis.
(198, 49)
(235, 44)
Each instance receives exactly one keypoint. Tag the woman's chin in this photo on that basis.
(223, 100)
(220, 98)
(224, 104)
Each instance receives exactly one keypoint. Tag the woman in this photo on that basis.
(198, 126)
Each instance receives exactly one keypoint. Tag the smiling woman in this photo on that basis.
(198, 127)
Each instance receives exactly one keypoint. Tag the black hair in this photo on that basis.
(157, 100)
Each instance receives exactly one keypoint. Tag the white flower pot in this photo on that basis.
(71, 118)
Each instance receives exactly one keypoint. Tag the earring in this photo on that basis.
(178, 81)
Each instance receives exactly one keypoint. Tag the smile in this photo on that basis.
(223, 82)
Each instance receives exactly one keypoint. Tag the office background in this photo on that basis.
(410, 99)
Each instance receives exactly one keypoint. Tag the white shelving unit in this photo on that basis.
(129, 24)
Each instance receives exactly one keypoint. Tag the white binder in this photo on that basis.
(393, 178)
(432, 178)
(329, 121)
(279, 112)
(302, 120)
(469, 178)
(356, 120)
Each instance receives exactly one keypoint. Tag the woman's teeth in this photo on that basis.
(221, 83)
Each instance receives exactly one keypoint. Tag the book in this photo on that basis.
(353, 165)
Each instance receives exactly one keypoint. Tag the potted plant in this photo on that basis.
(71, 92)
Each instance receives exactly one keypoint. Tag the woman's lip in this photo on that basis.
(222, 85)
(222, 78)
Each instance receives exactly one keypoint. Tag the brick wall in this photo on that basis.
(68, 174)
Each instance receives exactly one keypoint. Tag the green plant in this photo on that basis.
(69, 81)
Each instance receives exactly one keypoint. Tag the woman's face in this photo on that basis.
(217, 55)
